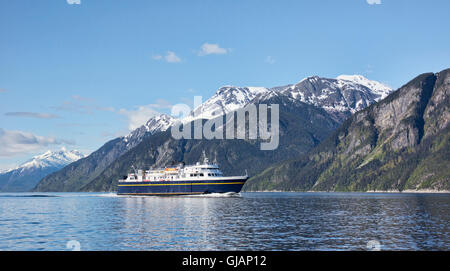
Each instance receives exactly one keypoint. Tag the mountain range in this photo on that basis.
(340, 97)
(27, 175)
(309, 111)
(401, 143)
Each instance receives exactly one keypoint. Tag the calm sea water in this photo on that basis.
(249, 221)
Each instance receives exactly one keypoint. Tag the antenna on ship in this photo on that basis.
(134, 169)
(205, 160)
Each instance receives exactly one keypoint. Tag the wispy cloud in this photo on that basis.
(72, 2)
(2, 90)
(270, 60)
(108, 108)
(212, 48)
(31, 115)
(81, 105)
(369, 69)
(170, 57)
(139, 116)
(81, 98)
(373, 2)
(72, 106)
(157, 57)
(13, 143)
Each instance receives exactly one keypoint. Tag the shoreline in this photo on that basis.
(425, 191)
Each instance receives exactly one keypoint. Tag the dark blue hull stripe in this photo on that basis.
(181, 187)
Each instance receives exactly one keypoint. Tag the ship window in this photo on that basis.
(192, 175)
(209, 174)
(201, 174)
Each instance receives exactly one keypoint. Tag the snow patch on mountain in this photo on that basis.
(50, 159)
(225, 100)
(375, 86)
(159, 123)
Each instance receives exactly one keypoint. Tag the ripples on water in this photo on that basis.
(247, 221)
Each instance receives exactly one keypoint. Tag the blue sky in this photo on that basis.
(77, 75)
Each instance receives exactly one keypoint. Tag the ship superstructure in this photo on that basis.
(200, 178)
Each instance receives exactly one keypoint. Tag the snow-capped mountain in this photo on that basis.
(340, 97)
(375, 86)
(155, 124)
(226, 99)
(28, 174)
(51, 159)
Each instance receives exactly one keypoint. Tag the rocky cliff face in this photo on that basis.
(399, 143)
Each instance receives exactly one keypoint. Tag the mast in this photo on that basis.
(205, 159)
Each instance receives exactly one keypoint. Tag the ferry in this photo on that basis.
(201, 178)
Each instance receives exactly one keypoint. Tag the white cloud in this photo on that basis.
(369, 69)
(157, 57)
(270, 60)
(107, 108)
(171, 57)
(81, 98)
(82, 105)
(142, 113)
(139, 116)
(2, 90)
(372, 2)
(76, 2)
(31, 115)
(209, 48)
(13, 143)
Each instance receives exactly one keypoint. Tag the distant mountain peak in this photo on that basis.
(158, 123)
(225, 100)
(52, 159)
(28, 174)
(378, 88)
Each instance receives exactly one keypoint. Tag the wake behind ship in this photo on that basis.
(181, 180)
